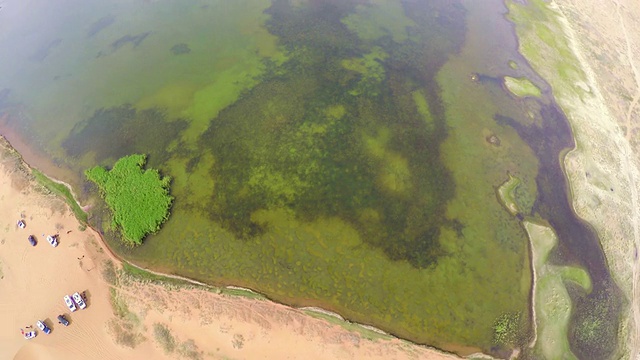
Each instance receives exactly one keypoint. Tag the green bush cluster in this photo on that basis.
(139, 199)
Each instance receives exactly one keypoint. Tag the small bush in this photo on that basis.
(164, 338)
(189, 350)
(122, 334)
(506, 328)
(109, 272)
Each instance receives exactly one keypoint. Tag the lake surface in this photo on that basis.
(329, 153)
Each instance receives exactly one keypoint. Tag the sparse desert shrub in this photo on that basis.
(163, 337)
(238, 341)
(120, 308)
(109, 272)
(189, 350)
(122, 335)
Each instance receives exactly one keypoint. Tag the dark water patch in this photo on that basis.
(100, 24)
(45, 50)
(134, 40)
(553, 202)
(316, 27)
(180, 49)
(119, 131)
(441, 30)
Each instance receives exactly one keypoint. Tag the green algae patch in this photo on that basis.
(371, 71)
(423, 108)
(380, 18)
(521, 87)
(139, 199)
(576, 275)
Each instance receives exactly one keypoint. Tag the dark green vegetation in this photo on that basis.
(139, 199)
(62, 191)
(595, 325)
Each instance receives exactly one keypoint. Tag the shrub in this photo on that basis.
(139, 199)
(164, 338)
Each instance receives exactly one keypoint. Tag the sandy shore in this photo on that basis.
(131, 319)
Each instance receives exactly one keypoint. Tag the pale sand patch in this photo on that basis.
(210, 325)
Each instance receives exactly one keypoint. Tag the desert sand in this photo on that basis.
(124, 315)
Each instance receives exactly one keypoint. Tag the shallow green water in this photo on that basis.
(330, 153)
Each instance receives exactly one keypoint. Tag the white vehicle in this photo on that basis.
(42, 326)
(29, 335)
(52, 240)
(21, 224)
(70, 304)
(78, 299)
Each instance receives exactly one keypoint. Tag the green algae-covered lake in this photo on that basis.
(331, 153)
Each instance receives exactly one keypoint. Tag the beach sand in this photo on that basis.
(160, 321)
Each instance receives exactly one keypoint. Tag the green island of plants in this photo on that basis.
(139, 199)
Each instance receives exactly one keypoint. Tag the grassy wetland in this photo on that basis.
(320, 152)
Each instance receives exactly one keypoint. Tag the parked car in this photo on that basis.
(29, 335)
(79, 300)
(32, 240)
(42, 326)
(52, 240)
(21, 224)
(70, 304)
(63, 320)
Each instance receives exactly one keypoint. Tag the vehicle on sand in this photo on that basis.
(32, 240)
(63, 320)
(42, 326)
(21, 224)
(79, 300)
(53, 240)
(67, 300)
(29, 335)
